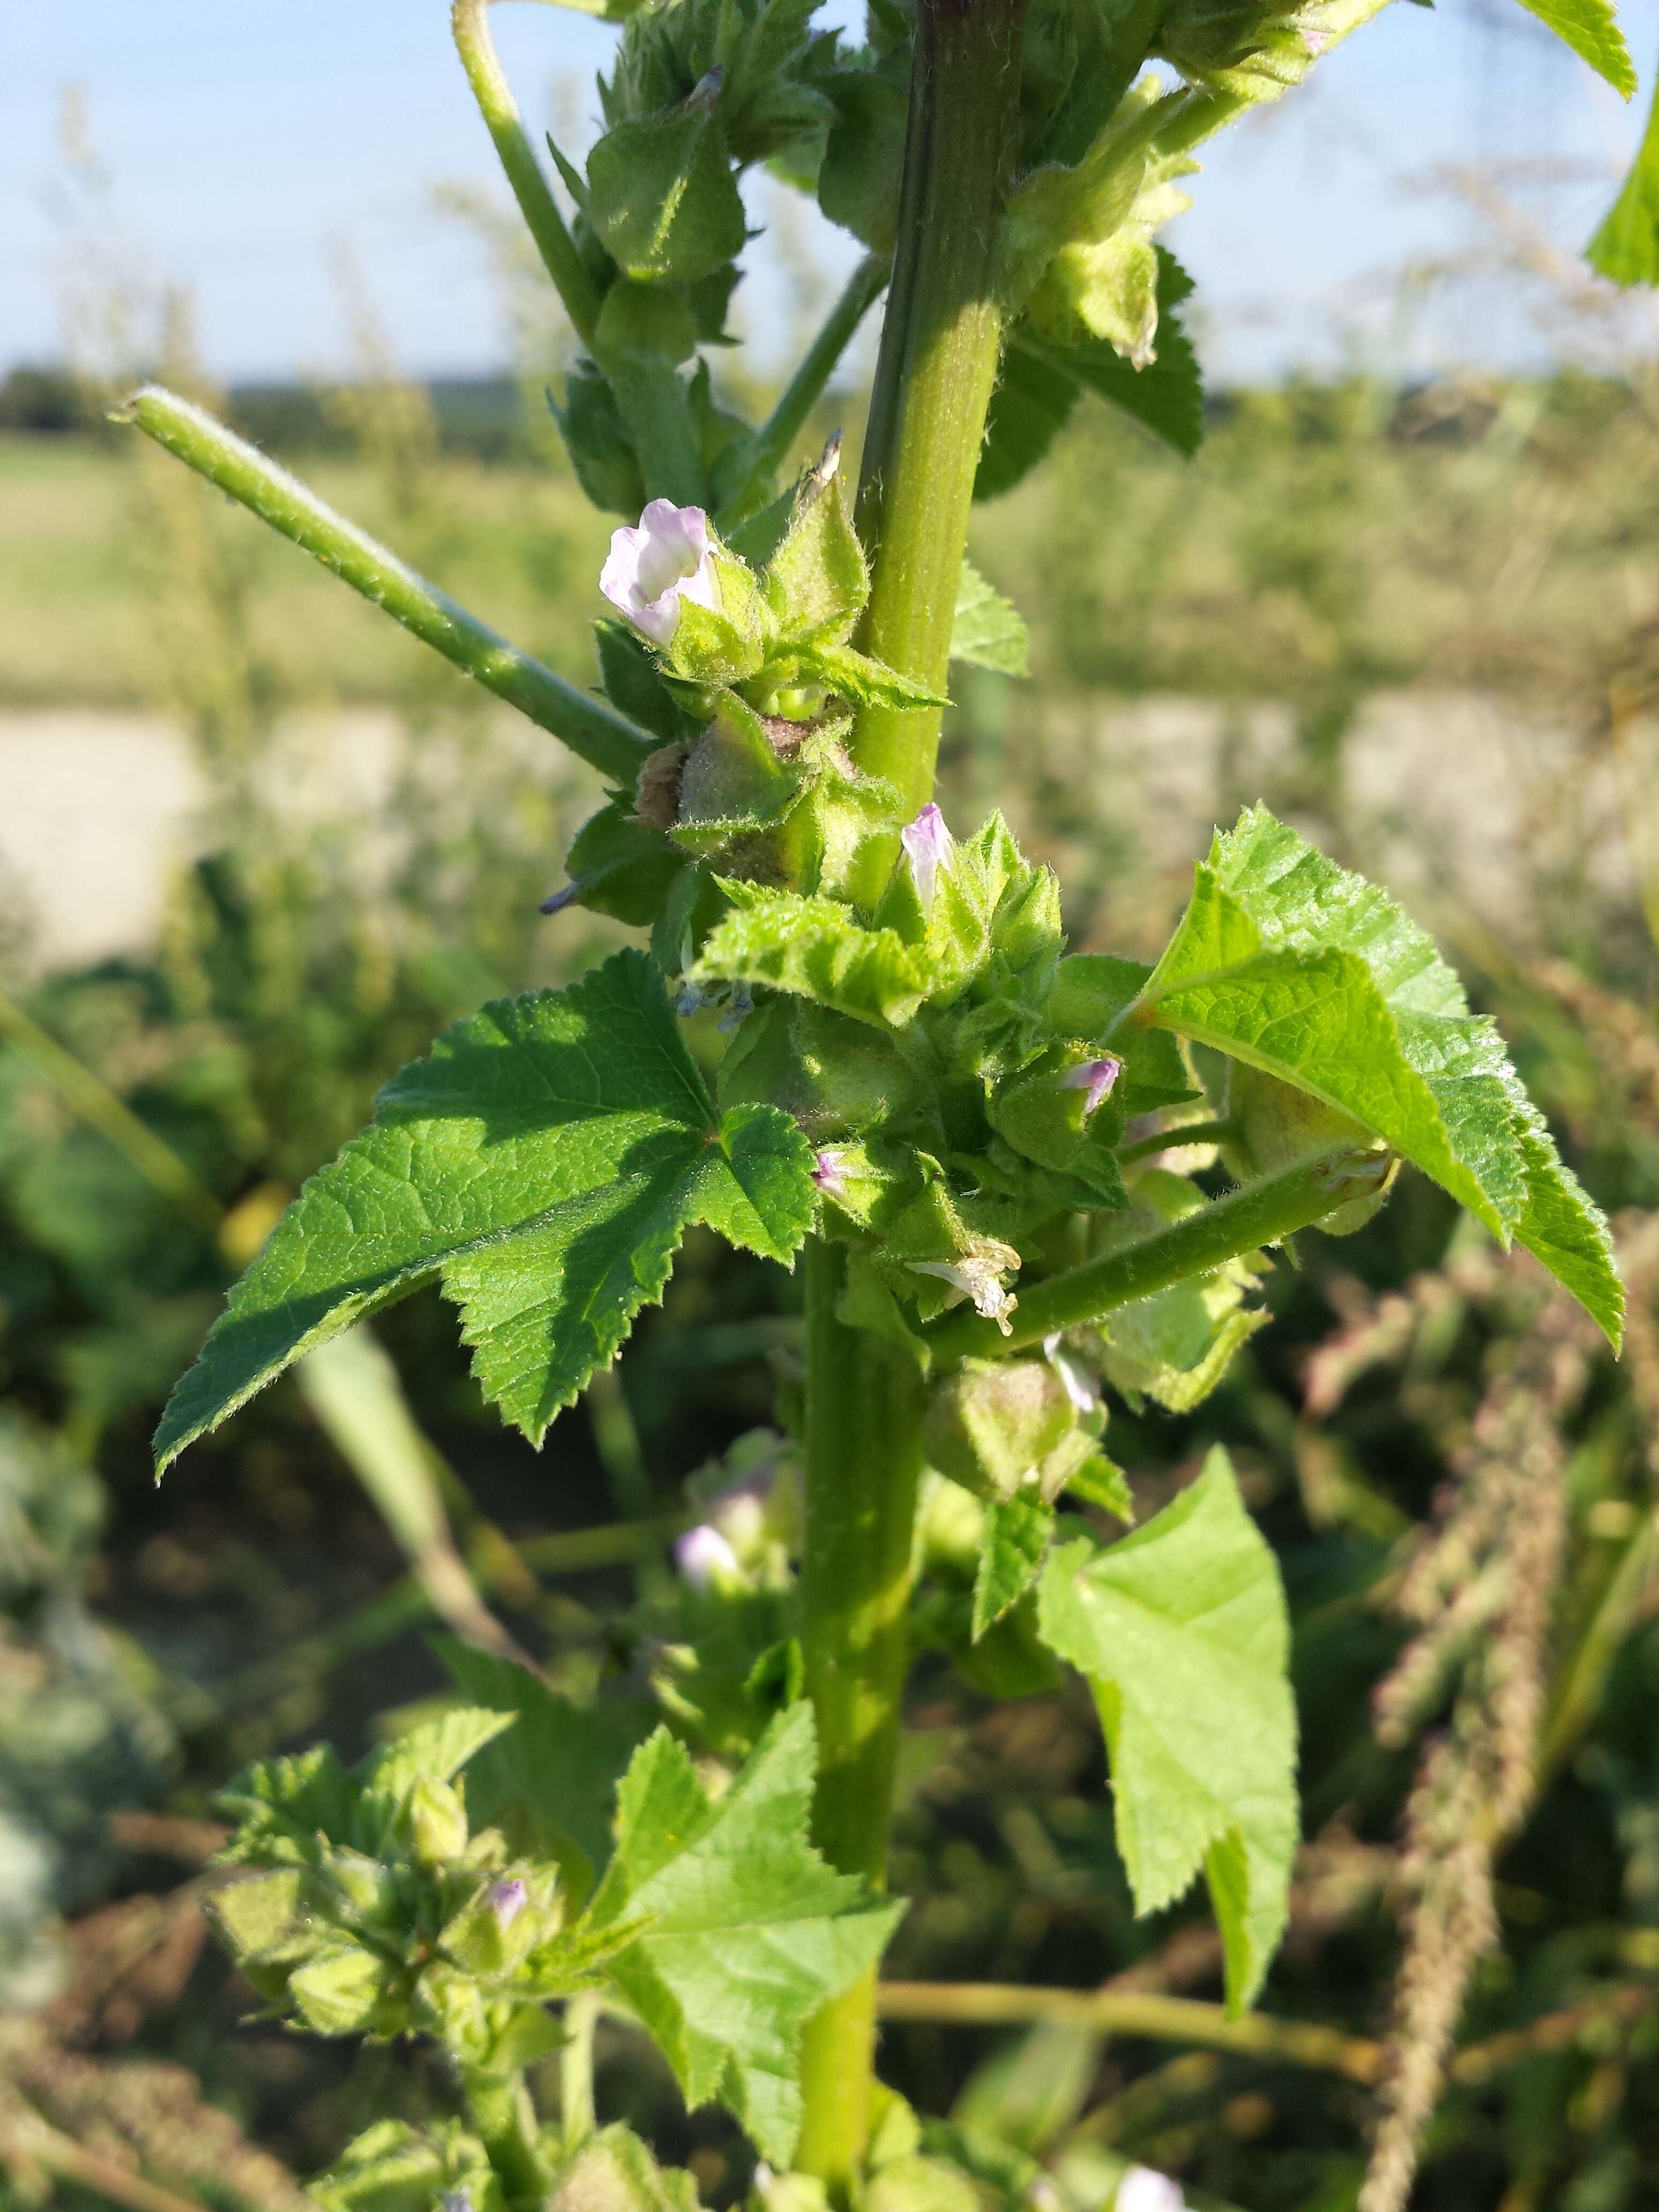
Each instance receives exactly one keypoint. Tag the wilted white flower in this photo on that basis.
(1143, 2188)
(704, 1556)
(978, 1276)
(1097, 1077)
(456, 2200)
(829, 1170)
(649, 571)
(926, 842)
(507, 1900)
(1079, 1383)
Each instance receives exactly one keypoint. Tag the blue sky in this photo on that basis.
(248, 142)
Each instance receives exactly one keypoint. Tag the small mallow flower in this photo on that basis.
(690, 999)
(978, 1277)
(649, 572)
(1097, 1077)
(506, 1900)
(829, 1170)
(704, 1556)
(455, 2200)
(559, 900)
(1143, 2188)
(738, 1007)
(926, 843)
(1079, 1384)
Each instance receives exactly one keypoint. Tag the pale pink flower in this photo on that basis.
(1097, 1077)
(829, 1171)
(650, 571)
(703, 1556)
(926, 842)
(1143, 2188)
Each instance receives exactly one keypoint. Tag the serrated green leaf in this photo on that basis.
(1181, 1629)
(1040, 381)
(865, 683)
(551, 1780)
(280, 1806)
(1290, 963)
(744, 1931)
(544, 1160)
(1591, 28)
(1625, 247)
(988, 631)
(1031, 403)
(813, 949)
(435, 1751)
(1016, 1533)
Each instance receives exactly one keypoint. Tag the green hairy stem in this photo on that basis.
(506, 2121)
(469, 19)
(864, 1407)
(937, 366)
(934, 376)
(590, 726)
(1257, 1214)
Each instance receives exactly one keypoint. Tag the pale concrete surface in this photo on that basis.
(1444, 796)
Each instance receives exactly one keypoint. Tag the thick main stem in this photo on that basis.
(864, 1404)
(864, 1399)
(937, 363)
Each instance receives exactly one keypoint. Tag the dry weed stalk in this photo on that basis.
(1480, 1594)
(133, 2120)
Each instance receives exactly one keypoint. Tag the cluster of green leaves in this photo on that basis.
(448, 1887)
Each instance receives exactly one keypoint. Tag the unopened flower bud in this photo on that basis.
(704, 1557)
(669, 558)
(436, 1822)
(926, 843)
(506, 1900)
(1097, 1077)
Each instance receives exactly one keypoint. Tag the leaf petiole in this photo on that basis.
(593, 729)
(1257, 1213)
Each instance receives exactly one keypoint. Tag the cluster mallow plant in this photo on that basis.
(1016, 1180)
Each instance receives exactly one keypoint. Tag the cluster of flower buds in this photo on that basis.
(374, 1910)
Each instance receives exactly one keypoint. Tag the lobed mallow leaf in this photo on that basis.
(1181, 1629)
(1298, 968)
(744, 1931)
(1591, 28)
(988, 629)
(1625, 247)
(543, 1162)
